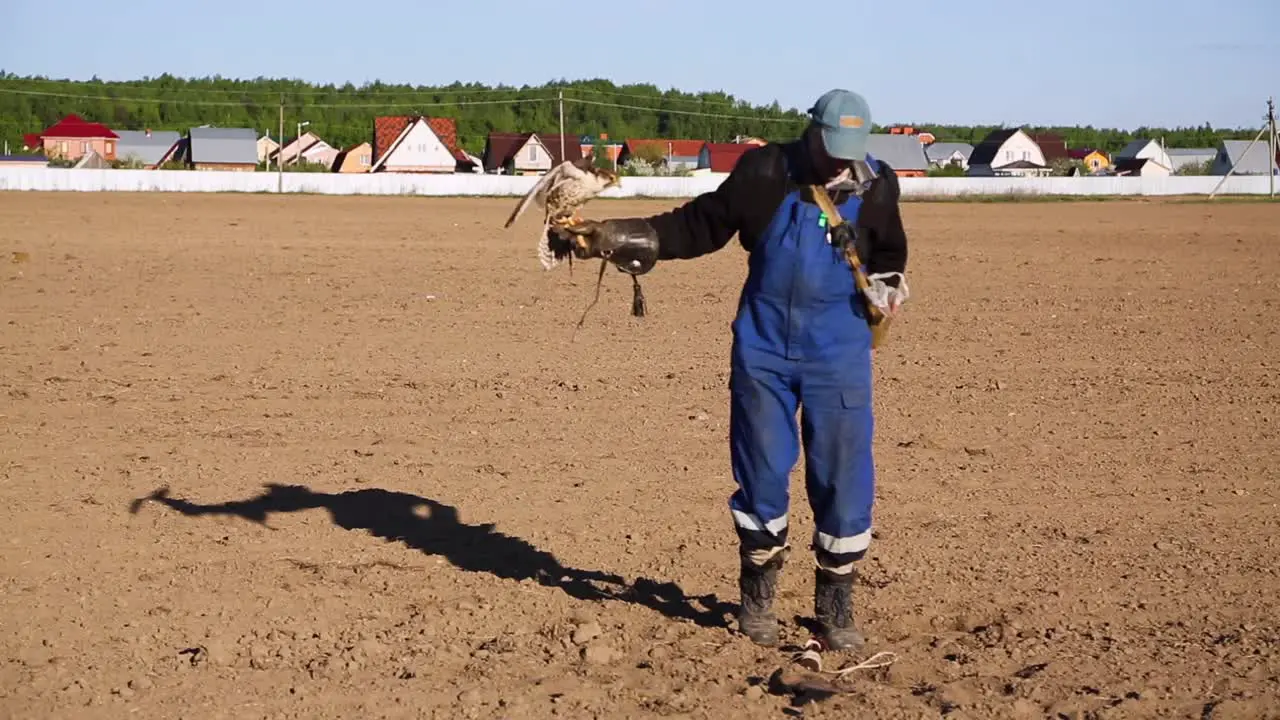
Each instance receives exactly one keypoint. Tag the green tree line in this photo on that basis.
(343, 114)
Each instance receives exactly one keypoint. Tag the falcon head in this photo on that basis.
(604, 178)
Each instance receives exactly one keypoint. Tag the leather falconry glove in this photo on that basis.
(630, 244)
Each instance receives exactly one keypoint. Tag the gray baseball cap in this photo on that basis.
(845, 119)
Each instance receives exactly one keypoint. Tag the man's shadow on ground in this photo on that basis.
(399, 516)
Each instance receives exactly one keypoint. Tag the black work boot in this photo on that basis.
(833, 608)
(758, 584)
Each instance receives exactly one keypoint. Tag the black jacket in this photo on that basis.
(745, 203)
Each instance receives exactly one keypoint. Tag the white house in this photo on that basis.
(943, 154)
(1007, 153)
(417, 149)
(1145, 150)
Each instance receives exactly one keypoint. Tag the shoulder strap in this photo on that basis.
(838, 225)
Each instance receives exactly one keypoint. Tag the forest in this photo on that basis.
(343, 114)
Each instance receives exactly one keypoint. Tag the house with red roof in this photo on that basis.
(417, 144)
(528, 153)
(675, 154)
(722, 157)
(73, 137)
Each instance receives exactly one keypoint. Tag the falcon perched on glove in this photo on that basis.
(561, 193)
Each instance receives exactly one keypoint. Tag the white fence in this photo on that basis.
(61, 179)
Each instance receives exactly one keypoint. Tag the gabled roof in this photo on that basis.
(724, 156)
(986, 150)
(1132, 149)
(387, 130)
(501, 147)
(1252, 163)
(1082, 153)
(942, 150)
(1052, 145)
(223, 145)
(148, 146)
(572, 147)
(1023, 165)
(31, 141)
(902, 152)
(1125, 166)
(677, 148)
(74, 126)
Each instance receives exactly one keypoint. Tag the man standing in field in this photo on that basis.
(801, 341)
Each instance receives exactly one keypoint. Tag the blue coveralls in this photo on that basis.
(800, 340)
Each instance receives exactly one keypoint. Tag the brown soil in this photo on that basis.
(398, 485)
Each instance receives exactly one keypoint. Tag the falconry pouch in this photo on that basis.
(842, 236)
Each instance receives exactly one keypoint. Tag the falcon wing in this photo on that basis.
(538, 191)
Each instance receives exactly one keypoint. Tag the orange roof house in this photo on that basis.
(675, 153)
(417, 144)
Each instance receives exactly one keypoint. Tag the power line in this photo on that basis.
(225, 103)
(405, 90)
(275, 92)
(689, 112)
(390, 106)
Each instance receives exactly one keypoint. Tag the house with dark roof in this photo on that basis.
(417, 144)
(23, 161)
(145, 147)
(1145, 150)
(904, 153)
(1140, 167)
(73, 137)
(1053, 146)
(1007, 153)
(529, 153)
(675, 154)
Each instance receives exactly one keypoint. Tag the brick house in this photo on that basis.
(73, 137)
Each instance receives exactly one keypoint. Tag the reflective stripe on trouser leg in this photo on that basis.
(837, 425)
(764, 447)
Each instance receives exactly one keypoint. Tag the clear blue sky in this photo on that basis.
(1122, 63)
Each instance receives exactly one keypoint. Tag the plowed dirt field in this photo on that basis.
(322, 457)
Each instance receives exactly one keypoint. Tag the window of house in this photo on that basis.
(84, 147)
(533, 153)
(1008, 155)
(364, 160)
(62, 146)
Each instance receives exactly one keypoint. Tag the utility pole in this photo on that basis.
(562, 155)
(1270, 129)
(280, 151)
(1271, 124)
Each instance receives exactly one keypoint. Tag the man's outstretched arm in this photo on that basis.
(699, 227)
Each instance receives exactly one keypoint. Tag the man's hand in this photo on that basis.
(628, 243)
